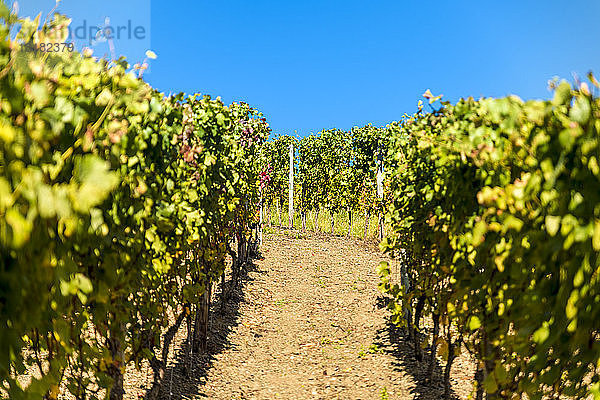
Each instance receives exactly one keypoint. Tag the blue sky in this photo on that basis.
(128, 20)
(310, 65)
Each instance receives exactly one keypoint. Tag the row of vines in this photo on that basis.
(119, 208)
(495, 218)
(335, 171)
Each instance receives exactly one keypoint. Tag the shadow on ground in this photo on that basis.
(185, 379)
(393, 341)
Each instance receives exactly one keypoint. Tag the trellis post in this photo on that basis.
(291, 201)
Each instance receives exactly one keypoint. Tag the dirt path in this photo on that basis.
(310, 325)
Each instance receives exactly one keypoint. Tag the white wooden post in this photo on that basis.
(291, 201)
(380, 195)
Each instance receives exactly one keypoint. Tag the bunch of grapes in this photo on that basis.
(265, 176)
(251, 130)
(188, 149)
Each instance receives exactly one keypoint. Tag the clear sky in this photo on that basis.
(311, 64)
(128, 21)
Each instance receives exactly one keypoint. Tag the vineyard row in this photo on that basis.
(119, 208)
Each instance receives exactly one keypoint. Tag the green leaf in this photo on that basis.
(96, 182)
(39, 93)
(5, 194)
(104, 97)
(383, 269)
(489, 384)
(500, 373)
(512, 222)
(4, 11)
(46, 204)
(7, 132)
(84, 284)
(581, 110)
(65, 108)
(220, 119)
(596, 236)
(479, 232)
(562, 95)
(541, 334)
(20, 227)
(78, 283)
(579, 278)
(552, 224)
(474, 322)
(571, 307)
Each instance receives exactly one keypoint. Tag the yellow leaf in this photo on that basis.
(540, 335)
(596, 237)
(451, 308)
(501, 309)
(54, 391)
(474, 322)
(552, 224)
(7, 133)
(499, 261)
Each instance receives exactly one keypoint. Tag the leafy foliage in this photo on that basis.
(495, 207)
(116, 204)
(276, 157)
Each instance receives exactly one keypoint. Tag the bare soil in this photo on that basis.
(307, 323)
